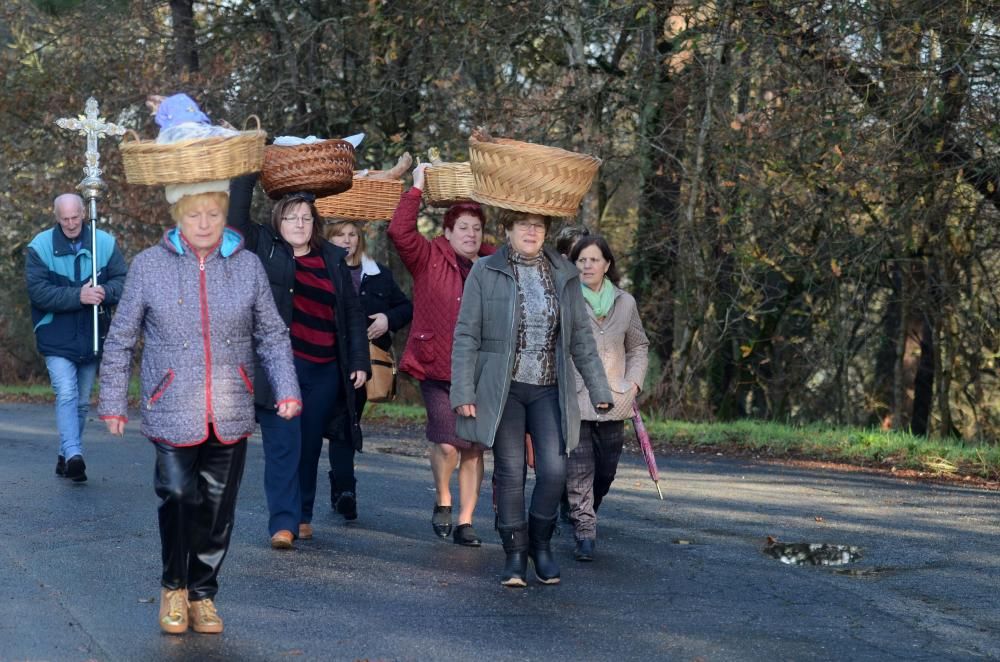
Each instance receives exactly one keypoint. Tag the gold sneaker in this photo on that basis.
(174, 610)
(204, 618)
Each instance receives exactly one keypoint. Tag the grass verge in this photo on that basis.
(946, 458)
(867, 448)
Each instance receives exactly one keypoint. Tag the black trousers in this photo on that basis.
(197, 486)
(535, 410)
(342, 446)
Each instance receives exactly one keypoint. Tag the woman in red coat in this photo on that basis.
(439, 268)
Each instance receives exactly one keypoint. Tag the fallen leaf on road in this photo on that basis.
(147, 601)
(680, 541)
(818, 518)
(294, 651)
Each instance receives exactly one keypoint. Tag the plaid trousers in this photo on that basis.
(590, 470)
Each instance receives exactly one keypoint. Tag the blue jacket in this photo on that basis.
(55, 274)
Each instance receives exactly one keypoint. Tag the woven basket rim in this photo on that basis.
(527, 208)
(149, 163)
(314, 144)
(507, 143)
(531, 178)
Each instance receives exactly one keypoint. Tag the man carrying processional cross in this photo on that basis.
(75, 274)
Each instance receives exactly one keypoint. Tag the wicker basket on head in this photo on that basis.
(191, 161)
(448, 183)
(530, 178)
(322, 168)
(369, 199)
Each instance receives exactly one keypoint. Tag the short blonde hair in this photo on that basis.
(333, 228)
(189, 202)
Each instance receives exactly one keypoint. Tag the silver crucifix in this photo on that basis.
(92, 187)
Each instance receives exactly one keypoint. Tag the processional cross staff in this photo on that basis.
(92, 187)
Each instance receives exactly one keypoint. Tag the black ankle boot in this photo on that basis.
(539, 549)
(515, 545)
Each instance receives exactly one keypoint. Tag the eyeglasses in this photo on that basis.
(302, 220)
(527, 226)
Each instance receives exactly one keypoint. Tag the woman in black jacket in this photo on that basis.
(387, 310)
(312, 288)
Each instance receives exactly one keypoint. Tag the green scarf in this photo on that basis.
(602, 300)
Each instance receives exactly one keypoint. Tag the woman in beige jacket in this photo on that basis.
(622, 346)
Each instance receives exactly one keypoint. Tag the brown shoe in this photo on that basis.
(204, 617)
(305, 531)
(282, 540)
(174, 610)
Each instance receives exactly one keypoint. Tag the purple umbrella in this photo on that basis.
(647, 448)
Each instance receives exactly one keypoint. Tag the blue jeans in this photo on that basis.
(535, 410)
(282, 449)
(72, 383)
(320, 387)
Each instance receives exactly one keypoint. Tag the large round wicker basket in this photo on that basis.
(448, 183)
(530, 178)
(369, 199)
(323, 168)
(191, 161)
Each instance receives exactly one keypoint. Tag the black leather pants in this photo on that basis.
(197, 486)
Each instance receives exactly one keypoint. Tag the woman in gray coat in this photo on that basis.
(203, 304)
(521, 329)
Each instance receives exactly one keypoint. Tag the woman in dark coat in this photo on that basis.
(386, 310)
(312, 288)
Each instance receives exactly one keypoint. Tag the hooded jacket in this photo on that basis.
(201, 319)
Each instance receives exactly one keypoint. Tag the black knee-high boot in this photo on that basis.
(515, 544)
(539, 549)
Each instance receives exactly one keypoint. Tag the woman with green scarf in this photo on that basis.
(622, 346)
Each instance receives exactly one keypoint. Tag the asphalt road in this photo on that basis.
(682, 579)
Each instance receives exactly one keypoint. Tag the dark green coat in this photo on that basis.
(482, 356)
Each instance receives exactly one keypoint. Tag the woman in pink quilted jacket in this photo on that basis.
(439, 268)
(203, 306)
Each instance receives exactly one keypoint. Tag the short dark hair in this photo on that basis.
(463, 209)
(568, 236)
(281, 206)
(602, 245)
(508, 217)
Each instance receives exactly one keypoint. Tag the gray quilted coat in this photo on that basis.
(482, 356)
(199, 319)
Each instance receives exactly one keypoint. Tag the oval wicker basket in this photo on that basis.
(191, 161)
(530, 178)
(448, 183)
(323, 168)
(368, 199)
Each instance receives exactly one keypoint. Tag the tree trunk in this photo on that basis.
(185, 46)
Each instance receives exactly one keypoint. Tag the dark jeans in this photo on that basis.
(590, 471)
(534, 410)
(282, 452)
(342, 446)
(320, 386)
(197, 486)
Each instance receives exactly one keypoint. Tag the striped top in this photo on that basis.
(314, 323)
